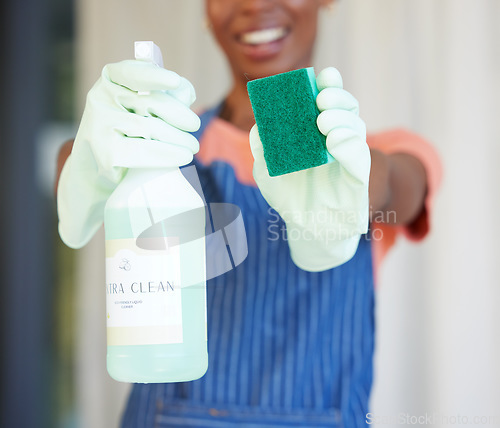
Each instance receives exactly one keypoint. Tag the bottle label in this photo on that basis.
(143, 294)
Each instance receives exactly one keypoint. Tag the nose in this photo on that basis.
(253, 6)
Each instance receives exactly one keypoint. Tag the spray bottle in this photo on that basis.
(155, 273)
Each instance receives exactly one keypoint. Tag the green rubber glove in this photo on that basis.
(137, 115)
(325, 208)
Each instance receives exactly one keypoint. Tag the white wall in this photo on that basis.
(429, 65)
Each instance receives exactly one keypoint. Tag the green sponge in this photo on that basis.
(284, 106)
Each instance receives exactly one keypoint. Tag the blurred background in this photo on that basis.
(432, 66)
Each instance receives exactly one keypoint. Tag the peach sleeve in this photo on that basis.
(402, 141)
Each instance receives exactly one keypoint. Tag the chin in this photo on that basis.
(269, 68)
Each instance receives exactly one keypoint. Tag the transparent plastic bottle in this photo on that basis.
(155, 278)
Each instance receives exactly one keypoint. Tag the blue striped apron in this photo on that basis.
(286, 347)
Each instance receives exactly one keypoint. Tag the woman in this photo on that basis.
(287, 346)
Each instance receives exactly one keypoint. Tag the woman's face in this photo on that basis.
(265, 37)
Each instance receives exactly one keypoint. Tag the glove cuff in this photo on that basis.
(80, 205)
(317, 256)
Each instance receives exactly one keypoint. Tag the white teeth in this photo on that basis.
(263, 36)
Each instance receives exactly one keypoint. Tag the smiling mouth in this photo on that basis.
(260, 37)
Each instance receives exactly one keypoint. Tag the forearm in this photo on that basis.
(63, 155)
(398, 185)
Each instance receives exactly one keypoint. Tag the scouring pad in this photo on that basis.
(284, 106)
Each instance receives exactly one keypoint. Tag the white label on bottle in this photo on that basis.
(143, 294)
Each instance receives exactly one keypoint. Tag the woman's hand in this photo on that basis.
(137, 115)
(325, 208)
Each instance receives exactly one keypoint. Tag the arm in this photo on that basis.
(398, 184)
(62, 156)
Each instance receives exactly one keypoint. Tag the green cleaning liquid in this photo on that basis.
(155, 279)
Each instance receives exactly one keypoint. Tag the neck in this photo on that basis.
(237, 108)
